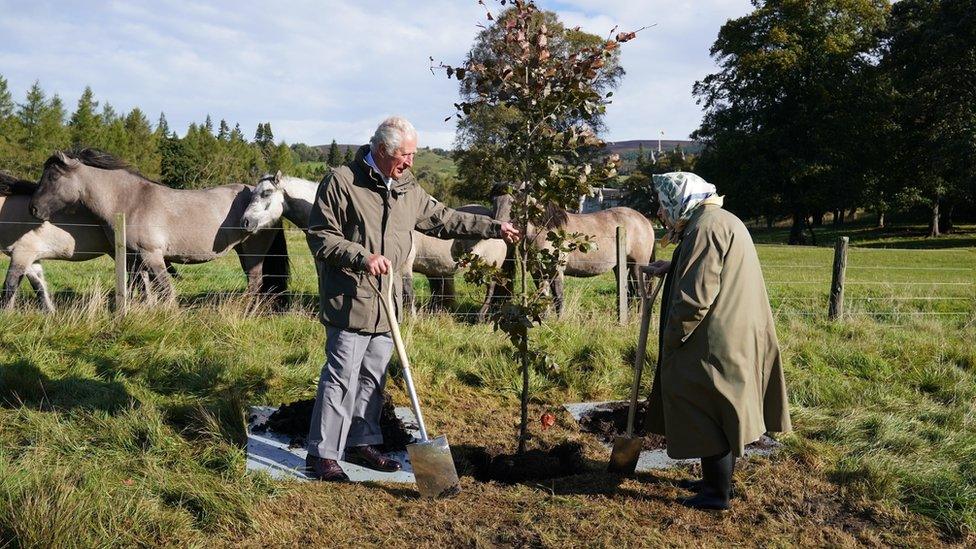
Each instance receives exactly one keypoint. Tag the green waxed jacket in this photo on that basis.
(719, 381)
(354, 216)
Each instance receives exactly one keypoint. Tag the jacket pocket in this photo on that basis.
(338, 281)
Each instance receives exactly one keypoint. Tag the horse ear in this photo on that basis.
(65, 159)
(277, 178)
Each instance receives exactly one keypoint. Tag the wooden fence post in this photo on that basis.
(836, 308)
(621, 275)
(121, 274)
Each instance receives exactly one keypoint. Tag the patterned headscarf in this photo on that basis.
(681, 193)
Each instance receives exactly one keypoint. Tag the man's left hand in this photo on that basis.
(510, 233)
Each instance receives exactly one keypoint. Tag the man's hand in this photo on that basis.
(658, 268)
(510, 233)
(377, 265)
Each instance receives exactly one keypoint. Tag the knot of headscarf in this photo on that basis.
(680, 194)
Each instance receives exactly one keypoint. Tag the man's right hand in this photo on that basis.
(377, 265)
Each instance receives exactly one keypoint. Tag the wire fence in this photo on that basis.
(887, 284)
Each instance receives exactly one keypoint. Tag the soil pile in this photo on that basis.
(293, 420)
(539, 464)
(610, 420)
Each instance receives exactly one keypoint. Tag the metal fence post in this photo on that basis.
(621, 275)
(121, 274)
(836, 308)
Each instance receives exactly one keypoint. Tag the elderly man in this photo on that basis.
(360, 227)
(719, 383)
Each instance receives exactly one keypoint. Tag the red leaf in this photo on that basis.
(625, 36)
(547, 420)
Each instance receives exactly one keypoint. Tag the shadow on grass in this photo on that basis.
(24, 384)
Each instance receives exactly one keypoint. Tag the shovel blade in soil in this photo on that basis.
(626, 452)
(433, 467)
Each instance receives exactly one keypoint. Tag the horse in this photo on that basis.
(276, 196)
(162, 224)
(75, 236)
(600, 225)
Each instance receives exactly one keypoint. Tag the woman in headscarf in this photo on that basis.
(718, 384)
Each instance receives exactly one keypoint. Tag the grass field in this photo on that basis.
(118, 432)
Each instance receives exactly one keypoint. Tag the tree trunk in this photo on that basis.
(945, 222)
(934, 223)
(769, 221)
(796, 229)
(818, 219)
(881, 219)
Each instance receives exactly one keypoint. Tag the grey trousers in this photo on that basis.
(350, 394)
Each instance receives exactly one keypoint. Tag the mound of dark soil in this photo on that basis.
(559, 461)
(294, 419)
(610, 420)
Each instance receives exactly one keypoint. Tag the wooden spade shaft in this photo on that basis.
(386, 300)
(647, 306)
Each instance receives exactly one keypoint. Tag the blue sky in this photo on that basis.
(323, 70)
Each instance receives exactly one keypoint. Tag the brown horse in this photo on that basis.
(164, 224)
(602, 227)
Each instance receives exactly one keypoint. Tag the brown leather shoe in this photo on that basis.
(327, 470)
(371, 458)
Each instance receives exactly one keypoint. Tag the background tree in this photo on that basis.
(931, 60)
(782, 116)
(349, 156)
(335, 158)
(8, 125)
(552, 102)
(483, 130)
(85, 126)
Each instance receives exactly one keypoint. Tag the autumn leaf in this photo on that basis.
(547, 420)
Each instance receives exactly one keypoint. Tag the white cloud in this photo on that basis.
(323, 70)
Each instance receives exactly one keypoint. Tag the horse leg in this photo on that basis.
(15, 273)
(486, 306)
(409, 296)
(436, 292)
(160, 276)
(35, 275)
(558, 286)
(449, 292)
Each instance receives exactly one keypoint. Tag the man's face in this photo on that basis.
(394, 165)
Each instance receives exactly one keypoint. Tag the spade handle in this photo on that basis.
(386, 300)
(647, 306)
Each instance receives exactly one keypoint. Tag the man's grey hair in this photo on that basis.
(391, 133)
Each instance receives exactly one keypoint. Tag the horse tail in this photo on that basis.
(276, 269)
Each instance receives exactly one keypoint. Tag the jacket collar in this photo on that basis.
(399, 186)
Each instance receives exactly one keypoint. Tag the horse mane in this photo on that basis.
(10, 185)
(555, 214)
(89, 157)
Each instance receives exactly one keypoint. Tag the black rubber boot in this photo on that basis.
(697, 485)
(716, 488)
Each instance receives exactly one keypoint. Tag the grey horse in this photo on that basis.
(163, 224)
(74, 236)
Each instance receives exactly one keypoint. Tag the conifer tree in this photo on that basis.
(334, 158)
(85, 125)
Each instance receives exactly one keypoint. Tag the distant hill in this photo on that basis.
(623, 147)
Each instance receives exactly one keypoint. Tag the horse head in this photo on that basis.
(267, 204)
(59, 187)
